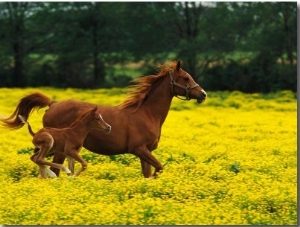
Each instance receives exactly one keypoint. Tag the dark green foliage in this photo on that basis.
(235, 168)
(26, 151)
(83, 44)
(251, 77)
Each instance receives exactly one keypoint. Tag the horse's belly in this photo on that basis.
(105, 144)
(108, 152)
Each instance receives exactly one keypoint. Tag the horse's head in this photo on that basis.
(100, 123)
(182, 84)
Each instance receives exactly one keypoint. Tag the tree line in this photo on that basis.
(225, 46)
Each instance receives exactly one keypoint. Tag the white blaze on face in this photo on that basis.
(105, 122)
(204, 92)
(102, 119)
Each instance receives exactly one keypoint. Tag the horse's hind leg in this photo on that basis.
(42, 168)
(44, 171)
(50, 173)
(54, 165)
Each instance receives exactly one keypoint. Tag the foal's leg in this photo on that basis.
(55, 165)
(39, 160)
(44, 171)
(71, 164)
(33, 158)
(42, 168)
(50, 172)
(44, 142)
(75, 154)
(144, 154)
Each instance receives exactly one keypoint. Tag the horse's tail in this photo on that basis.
(24, 108)
(23, 120)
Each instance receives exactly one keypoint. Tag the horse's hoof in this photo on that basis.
(50, 173)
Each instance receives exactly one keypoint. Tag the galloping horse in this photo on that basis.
(136, 123)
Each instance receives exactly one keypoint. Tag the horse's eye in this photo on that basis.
(186, 79)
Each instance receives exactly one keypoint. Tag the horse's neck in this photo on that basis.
(158, 102)
(81, 129)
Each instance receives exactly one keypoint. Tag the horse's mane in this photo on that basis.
(144, 85)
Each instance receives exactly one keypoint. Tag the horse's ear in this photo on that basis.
(178, 64)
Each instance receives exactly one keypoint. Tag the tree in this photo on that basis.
(84, 38)
(74, 43)
(272, 36)
(19, 38)
(204, 33)
(13, 15)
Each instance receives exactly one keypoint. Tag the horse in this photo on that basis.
(136, 122)
(66, 140)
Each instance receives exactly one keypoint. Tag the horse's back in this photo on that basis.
(63, 114)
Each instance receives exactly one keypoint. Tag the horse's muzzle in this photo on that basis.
(202, 97)
(108, 129)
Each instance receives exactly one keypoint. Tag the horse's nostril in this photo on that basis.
(204, 93)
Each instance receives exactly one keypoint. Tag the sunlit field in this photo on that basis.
(231, 160)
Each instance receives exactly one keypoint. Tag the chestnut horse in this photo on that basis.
(66, 140)
(136, 123)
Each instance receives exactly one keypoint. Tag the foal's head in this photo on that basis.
(103, 125)
(95, 121)
(182, 84)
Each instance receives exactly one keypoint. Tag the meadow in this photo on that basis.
(231, 160)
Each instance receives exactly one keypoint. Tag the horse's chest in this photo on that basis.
(144, 134)
(154, 145)
(152, 139)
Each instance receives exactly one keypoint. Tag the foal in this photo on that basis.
(66, 140)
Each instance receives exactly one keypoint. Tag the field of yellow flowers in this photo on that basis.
(231, 160)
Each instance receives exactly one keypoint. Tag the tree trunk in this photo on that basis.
(18, 78)
(16, 18)
(289, 49)
(98, 65)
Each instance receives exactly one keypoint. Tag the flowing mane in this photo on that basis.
(143, 86)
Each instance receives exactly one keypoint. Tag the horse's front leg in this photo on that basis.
(145, 155)
(74, 154)
(146, 168)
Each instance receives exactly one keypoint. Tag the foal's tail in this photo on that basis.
(23, 120)
(24, 108)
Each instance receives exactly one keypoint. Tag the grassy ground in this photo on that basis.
(230, 160)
